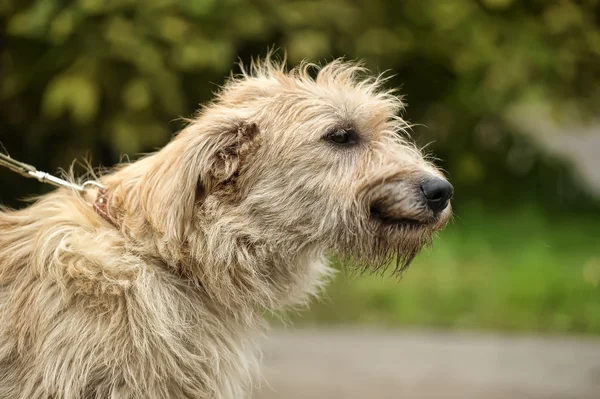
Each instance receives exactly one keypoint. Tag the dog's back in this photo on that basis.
(83, 316)
(52, 299)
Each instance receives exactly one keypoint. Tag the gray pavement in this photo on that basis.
(346, 363)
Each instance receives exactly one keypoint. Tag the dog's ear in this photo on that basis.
(200, 159)
(229, 153)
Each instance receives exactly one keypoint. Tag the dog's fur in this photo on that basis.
(230, 219)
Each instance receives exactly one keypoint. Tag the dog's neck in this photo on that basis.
(228, 260)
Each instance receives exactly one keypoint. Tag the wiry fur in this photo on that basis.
(230, 219)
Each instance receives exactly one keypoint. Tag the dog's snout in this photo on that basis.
(437, 193)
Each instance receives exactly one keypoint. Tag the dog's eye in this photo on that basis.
(342, 136)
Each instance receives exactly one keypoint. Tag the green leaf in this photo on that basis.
(75, 93)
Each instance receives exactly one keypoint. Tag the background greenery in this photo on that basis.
(103, 78)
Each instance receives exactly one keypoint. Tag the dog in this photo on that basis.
(153, 286)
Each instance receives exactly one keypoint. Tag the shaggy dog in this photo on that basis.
(154, 287)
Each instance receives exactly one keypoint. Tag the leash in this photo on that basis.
(29, 171)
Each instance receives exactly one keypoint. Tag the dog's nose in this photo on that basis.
(437, 193)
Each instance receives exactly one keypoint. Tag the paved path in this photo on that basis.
(351, 364)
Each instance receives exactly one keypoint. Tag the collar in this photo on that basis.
(101, 207)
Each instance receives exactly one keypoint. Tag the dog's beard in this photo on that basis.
(370, 247)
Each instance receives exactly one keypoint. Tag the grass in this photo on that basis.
(511, 271)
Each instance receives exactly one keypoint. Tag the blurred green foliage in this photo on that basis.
(111, 77)
(507, 270)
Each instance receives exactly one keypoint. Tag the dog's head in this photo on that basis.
(292, 162)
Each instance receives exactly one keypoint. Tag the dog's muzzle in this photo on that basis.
(411, 203)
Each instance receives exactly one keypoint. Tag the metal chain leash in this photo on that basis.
(30, 171)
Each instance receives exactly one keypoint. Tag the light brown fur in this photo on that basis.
(232, 218)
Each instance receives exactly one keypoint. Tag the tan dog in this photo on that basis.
(157, 290)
